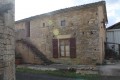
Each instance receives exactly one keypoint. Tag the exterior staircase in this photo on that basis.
(35, 51)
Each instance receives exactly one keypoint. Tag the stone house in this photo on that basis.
(74, 35)
(7, 42)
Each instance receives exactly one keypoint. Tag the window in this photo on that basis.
(43, 24)
(63, 23)
(66, 48)
(27, 25)
(91, 32)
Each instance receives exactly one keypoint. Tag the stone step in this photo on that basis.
(1, 22)
(1, 17)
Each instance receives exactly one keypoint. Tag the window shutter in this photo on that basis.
(55, 48)
(72, 47)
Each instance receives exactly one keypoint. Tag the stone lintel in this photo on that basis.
(64, 36)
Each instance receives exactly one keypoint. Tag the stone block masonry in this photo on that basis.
(7, 48)
(73, 35)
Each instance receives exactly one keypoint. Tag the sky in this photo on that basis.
(28, 8)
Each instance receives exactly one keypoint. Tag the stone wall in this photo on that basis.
(82, 23)
(7, 43)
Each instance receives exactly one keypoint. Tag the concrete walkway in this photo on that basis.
(110, 70)
(55, 66)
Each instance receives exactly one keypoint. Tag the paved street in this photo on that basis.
(110, 70)
(29, 76)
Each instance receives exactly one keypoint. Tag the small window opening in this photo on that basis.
(53, 36)
(83, 33)
(43, 24)
(47, 36)
(96, 13)
(91, 32)
(74, 34)
(63, 23)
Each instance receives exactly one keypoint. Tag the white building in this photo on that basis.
(113, 37)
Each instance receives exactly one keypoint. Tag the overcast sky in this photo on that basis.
(27, 8)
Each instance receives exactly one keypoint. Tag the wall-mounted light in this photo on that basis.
(56, 32)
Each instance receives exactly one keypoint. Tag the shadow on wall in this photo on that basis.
(35, 51)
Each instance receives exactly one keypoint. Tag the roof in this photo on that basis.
(115, 26)
(69, 9)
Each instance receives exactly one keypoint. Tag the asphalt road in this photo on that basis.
(29, 76)
(110, 70)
